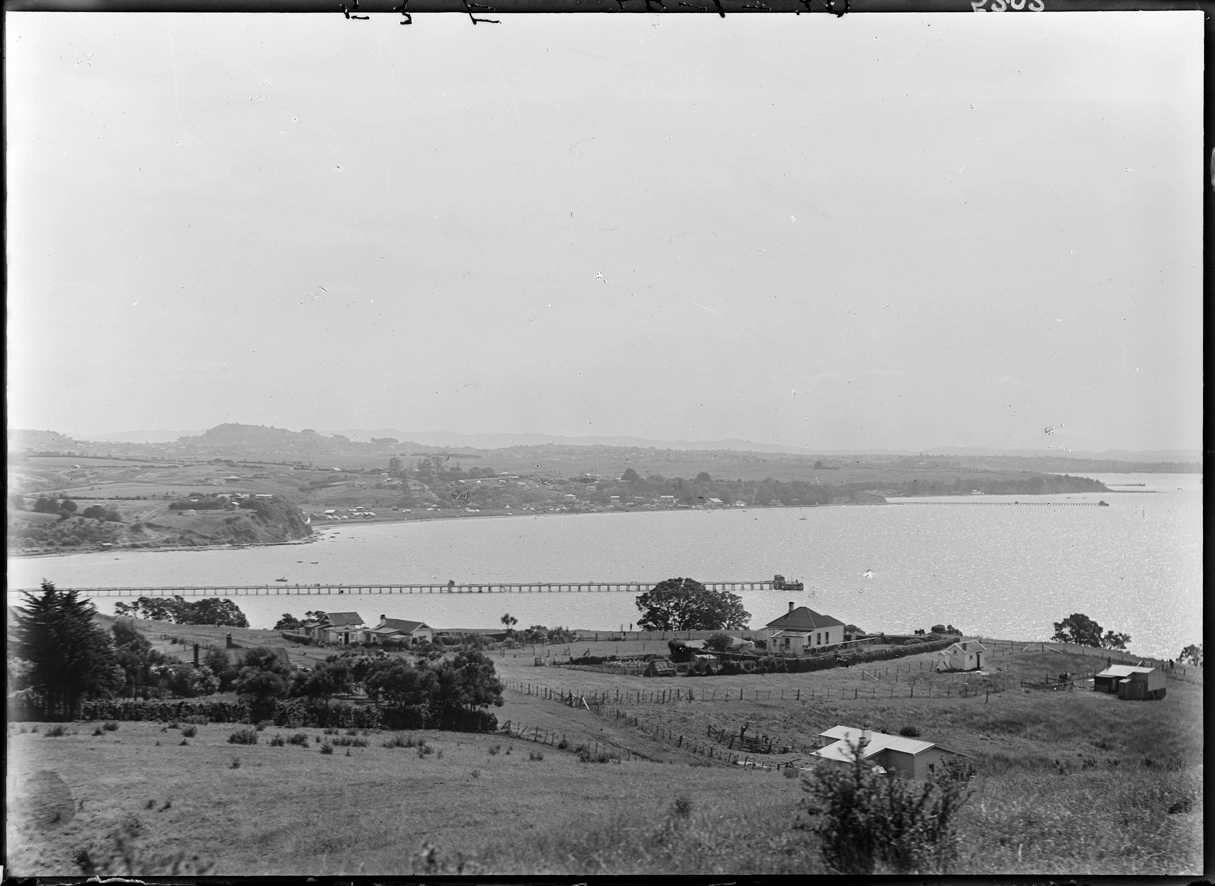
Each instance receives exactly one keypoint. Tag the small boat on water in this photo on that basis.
(280, 579)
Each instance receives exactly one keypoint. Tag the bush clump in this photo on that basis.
(189, 731)
(300, 739)
(326, 748)
(910, 731)
(243, 736)
(109, 726)
(278, 741)
(866, 819)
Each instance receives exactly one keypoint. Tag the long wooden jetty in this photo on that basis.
(284, 588)
(1023, 504)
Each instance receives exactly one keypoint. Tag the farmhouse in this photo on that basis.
(1131, 682)
(337, 627)
(965, 655)
(801, 629)
(893, 754)
(399, 630)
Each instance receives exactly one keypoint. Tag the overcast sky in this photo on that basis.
(899, 231)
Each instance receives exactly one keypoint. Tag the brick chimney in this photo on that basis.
(790, 605)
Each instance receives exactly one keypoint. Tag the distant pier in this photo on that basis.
(1022, 504)
(287, 589)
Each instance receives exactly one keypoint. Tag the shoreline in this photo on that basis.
(317, 531)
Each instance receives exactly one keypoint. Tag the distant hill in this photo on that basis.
(504, 441)
(158, 436)
(24, 440)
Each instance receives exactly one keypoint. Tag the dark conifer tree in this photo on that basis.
(70, 657)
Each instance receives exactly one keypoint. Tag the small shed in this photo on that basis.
(892, 754)
(659, 667)
(965, 655)
(1134, 682)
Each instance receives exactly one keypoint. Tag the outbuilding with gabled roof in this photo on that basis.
(894, 754)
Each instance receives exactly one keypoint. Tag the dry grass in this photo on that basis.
(1068, 783)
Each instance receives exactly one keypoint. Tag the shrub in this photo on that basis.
(189, 731)
(326, 748)
(300, 739)
(54, 731)
(865, 818)
(345, 741)
(535, 756)
(184, 741)
(99, 731)
(278, 741)
(681, 806)
(397, 740)
(262, 724)
(243, 736)
(910, 732)
(235, 764)
(110, 726)
(425, 750)
(495, 750)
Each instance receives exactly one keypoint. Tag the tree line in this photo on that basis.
(61, 658)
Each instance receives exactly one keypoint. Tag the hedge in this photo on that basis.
(292, 713)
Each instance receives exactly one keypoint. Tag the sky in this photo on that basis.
(876, 231)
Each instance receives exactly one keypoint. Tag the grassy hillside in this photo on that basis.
(1068, 782)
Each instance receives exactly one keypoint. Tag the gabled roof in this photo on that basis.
(1124, 671)
(403, 625)
(964, 646)
(343, 619)
(803, 619)
(878, 741)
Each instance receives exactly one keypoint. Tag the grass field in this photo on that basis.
(1067, 783)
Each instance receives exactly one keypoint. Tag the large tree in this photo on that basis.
(684, 604)
(1191, 655)
(207, 611)
(1081, 630)
(69, 657)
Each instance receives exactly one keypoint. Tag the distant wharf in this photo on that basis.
(1022, 504)
(284, 588)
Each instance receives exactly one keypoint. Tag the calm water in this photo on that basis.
(1135, 566)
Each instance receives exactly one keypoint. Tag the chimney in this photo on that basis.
(790, 605)
(383, 618)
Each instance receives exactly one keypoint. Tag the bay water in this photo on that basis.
(1000, 571)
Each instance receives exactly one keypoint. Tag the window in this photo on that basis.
(932, 768)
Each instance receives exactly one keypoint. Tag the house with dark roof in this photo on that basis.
(337, 627)
(803, 629)
(399, 630)
(891, 754)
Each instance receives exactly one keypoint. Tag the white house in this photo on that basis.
(892, 754)
(965, 655)
(802, 629)
(343, 628)
(399, 630)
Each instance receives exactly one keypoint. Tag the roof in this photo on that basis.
(803, 619)
(964, 646)
(878, 741)
(343, 619)
(403, 625)
(1124, 671)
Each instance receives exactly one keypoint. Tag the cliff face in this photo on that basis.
(257, 521)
